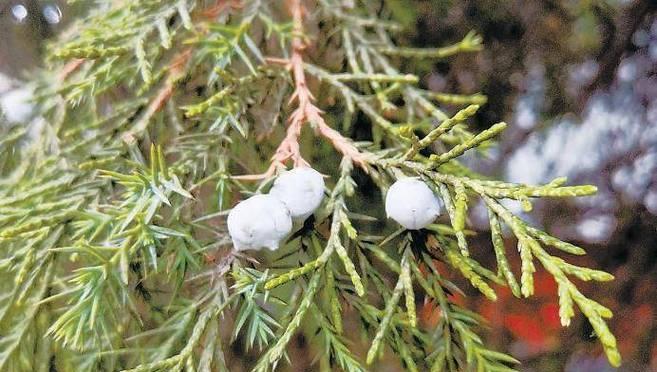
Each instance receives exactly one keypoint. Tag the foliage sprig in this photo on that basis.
(114, 259)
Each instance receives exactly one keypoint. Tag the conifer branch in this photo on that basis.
(116, 254)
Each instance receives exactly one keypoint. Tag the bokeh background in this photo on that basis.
(577, 81)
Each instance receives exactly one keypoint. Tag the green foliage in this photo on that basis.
(114, 253)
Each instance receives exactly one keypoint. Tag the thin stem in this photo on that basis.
(306, 110)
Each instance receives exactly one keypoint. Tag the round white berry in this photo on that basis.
(412, 204)
(301, 190)
(16, 105)
(260, 221)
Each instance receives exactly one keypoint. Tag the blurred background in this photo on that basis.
(577, 81)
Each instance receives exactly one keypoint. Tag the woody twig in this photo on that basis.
(305, 112)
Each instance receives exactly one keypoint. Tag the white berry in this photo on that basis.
(412, 204)
(16, 105)
(301, 190)
(260, 221)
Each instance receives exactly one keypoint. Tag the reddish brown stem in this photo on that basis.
(306, 111)
(220, 7)
(70, 67)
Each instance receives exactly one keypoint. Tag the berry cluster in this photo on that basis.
(264, 220)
